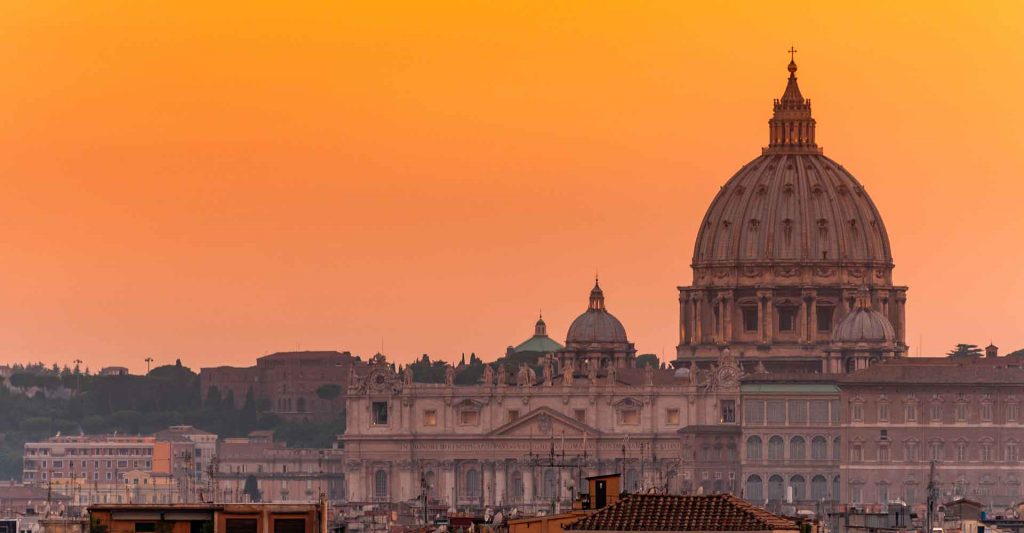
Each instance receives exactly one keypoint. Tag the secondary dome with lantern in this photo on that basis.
(864, 325)
(596, 324)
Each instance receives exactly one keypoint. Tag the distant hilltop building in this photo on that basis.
(113, 371)
(293, 385)
(791, 386)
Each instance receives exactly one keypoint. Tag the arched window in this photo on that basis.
(835, 488)
(380, 484)
(799, 487)
(776, 448)
(819, 488)
(550, 483)
(632, 480)
(836, 449)
(472, 489)
(517, 486)
(819, 448)
(797, 449)
(754, 448)
(754, 490)
(776, 488)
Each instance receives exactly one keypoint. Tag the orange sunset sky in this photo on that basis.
(217, 181)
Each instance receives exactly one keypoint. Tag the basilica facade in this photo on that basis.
(787, 386)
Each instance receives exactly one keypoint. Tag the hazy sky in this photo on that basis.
(213, 182)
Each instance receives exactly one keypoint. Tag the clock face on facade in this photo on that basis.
(728, 376)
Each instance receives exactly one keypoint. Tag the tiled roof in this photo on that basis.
(956, 371)
(662, 512)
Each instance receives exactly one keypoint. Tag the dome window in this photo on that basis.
(787, 318)
(825, 314)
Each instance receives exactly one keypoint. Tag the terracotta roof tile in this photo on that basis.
(662, 512)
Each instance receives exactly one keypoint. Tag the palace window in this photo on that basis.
(380, 413)
(1011, 412)
(856, 453)
(883, 454)
(749, 318)
(819, 448)
(513, 415)
(580, 415)
(910, 452)
(986, 452)
(961, 412)
(672, 417)
(776, 448)
(430, 417)
(754, 448)
(797, 412)
(856, 412)
(936, 412)
(797, 449)
(753, 412)
(776, 411)
(910, 412)
(380, 484)
(728, 411)
(825, 318)
(1011, 453)
(818, 411)
(986, 412)
(787, 318)
(935, 450)
(883, 412)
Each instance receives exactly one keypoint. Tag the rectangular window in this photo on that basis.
(961, 412)
(986, 453)
(986, 412)
(749, 319)
(856, 412)
(883, 493)
(787, 318)
(910, 412)
(1011, 412)
(430, 417)
(728, 411)
(883, 454)
(753, 412)
(1011, 453)
(513, 415)
(936, 451)
(856, 454)
(936, 412)
(469, 417)
(580, 415)
(58, 464)
(776, 411)
(834, 411)
(825, 318)
(883, 412)
(289, 525)
(629, 417)
(798, 412)
(911, 452)
(672, 417)
(855, 494)
(122, 464)
(145, 527)
(961, 452)
(819, 411)
(380, 413)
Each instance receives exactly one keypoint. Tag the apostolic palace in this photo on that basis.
(792, 381)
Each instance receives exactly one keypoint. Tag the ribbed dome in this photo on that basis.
(797, 207)
(792, 204)
(596, 324)
(864, 325)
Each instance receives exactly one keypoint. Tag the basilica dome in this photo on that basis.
(792, 205)
(596, 325)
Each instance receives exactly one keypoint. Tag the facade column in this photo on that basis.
(730, 310)
(698, 315)
(449, 483)
(802, 327)
(487, 467)
(684, 334)
(901, 317)
(811, 296)
(760, 318)
(527, 484)
(405, 491)
(500, 482)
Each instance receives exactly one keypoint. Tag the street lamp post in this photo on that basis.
(148, 361)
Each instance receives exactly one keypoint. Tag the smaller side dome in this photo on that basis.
(864, 325)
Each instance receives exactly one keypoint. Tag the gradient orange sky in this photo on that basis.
(215, 182)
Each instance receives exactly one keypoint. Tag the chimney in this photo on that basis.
(991, 350)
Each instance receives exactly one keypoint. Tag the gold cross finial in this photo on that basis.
(792, 52)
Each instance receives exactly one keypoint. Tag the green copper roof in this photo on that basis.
(538, 343)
